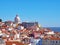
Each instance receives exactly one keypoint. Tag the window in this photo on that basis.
(56, 41)
(52, 42)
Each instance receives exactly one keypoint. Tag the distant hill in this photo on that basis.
(56, 29)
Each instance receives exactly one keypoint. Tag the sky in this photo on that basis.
(45, 12)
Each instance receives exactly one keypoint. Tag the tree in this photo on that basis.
(0, 20)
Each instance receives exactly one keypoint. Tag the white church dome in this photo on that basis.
(17, 19)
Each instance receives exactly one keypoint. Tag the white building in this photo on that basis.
(51, 42)
(17, 19)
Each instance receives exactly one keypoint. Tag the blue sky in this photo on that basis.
(46, 12)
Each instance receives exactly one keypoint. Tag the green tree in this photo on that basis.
(0, 20)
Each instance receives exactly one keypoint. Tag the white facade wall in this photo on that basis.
(50, 42)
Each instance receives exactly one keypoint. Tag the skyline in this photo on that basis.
(45, 12)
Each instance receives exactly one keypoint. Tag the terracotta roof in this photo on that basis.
(54, 38)
(14, 42)
(51, 38)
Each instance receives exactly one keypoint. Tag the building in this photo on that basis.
(52, 41)
(17, 19)
(9, 23)
(29, 24)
